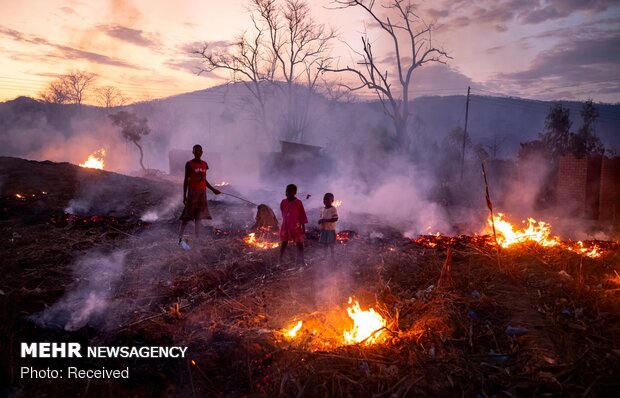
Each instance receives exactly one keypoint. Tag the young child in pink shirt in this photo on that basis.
(293, 223)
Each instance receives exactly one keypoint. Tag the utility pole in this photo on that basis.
(465, 134)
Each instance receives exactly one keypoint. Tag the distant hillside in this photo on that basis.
(512, 120)
(222, 118)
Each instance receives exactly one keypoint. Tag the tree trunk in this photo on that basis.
(141, 155)
(402, 136)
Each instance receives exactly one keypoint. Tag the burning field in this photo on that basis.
(521, 312)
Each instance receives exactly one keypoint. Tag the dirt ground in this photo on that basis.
(461, 321)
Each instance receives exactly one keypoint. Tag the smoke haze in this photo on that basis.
(359, 162)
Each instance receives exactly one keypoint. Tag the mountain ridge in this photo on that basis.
(204, 114)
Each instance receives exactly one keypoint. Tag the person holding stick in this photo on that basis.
(195, 186)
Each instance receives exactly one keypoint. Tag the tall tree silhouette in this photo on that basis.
(71, 88)
(412, 46)
(585, 141)
(132, 129)
(286, 47)
(556, 136)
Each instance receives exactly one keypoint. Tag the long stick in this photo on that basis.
(465, 134)
(490, 206)
(235, 196)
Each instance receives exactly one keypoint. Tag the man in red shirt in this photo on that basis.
(293, 223)
(195, 186)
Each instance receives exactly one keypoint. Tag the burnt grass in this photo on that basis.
(538, 322)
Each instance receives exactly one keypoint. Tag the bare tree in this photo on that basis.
(70, 88)
(336, 91)
(132, 129)
(78, 83)
(412, 44)
(494, 145)
(56, 92)
(110, 96)
(287, 45)
(248, 63)
(300, 48)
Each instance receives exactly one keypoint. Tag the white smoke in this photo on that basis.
(165, 210)
(96, 276)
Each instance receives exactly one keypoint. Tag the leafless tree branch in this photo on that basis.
(110, 96)
(287, 45)
(70, 88)
(409, 35)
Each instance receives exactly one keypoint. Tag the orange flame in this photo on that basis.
(221, 184)
(337, 203)
(367, 325)
(342, 236)
(95, 160)
(252, 241)
(292, 332)
(368, 328)
(592, 252)
(536, 231)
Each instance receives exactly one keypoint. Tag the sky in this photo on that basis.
(538, 49)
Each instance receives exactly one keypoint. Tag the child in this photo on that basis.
(195, 186)
(293, 223)
(327, 223)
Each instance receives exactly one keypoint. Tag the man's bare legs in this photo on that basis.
(184, 225)
(182, 229)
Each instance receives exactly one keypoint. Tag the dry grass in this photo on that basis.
(453, 316)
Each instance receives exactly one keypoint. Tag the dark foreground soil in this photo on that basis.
(460, 321)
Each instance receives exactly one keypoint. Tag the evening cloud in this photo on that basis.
(129, 35)
(58, 51)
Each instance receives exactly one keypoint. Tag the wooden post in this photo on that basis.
(490, 206)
